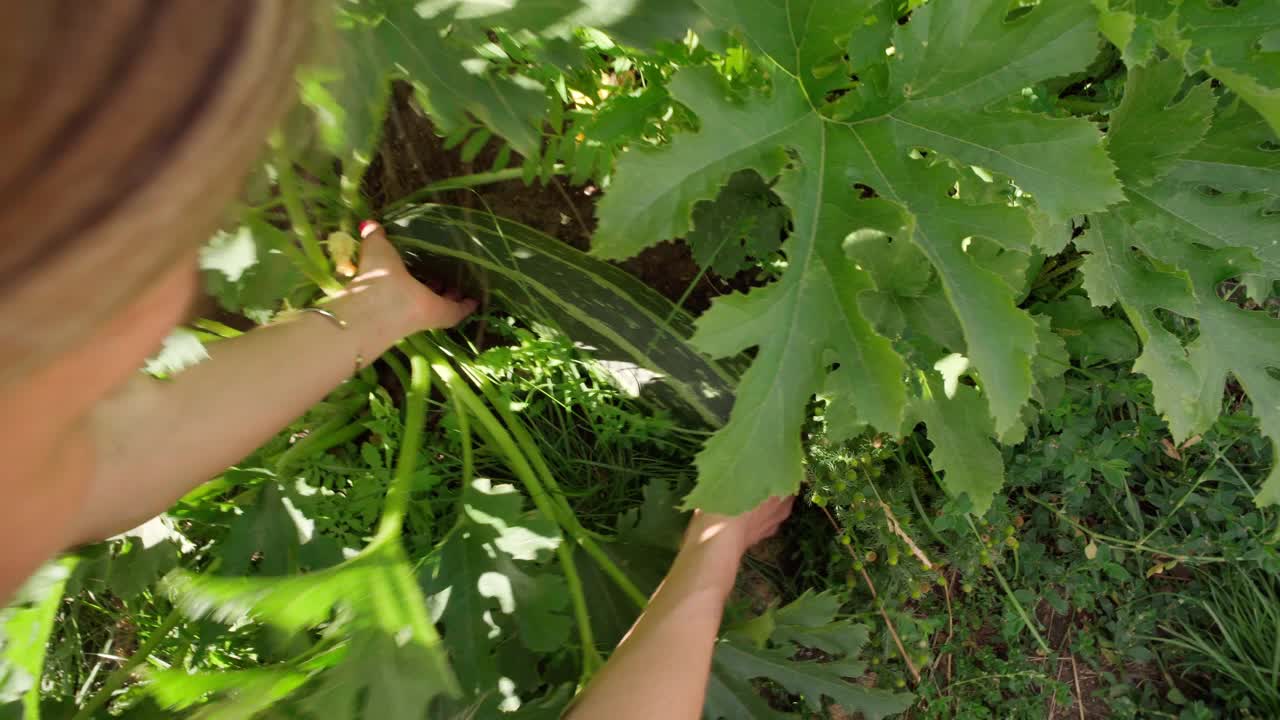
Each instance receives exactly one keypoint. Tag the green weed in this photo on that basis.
(1229, 639)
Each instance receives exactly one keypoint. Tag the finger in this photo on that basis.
(784, 511)
(779, 510)
(767, 505)
(781, 515)
(787, 505)
(376, 250)
(447, 313)
(778, 507)
(767, 531)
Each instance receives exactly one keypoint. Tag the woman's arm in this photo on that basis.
(661, 668)
(153, 441)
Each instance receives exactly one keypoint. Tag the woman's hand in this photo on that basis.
(382, 274)
(249, 388)
(661, 668)
(741, 531)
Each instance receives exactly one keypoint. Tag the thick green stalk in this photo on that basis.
(567, 518)
(468, 447)
(214, 327)
(118, 678)
(322, 443)
(520, 465)
(499, 435)
(353, 200)
(461, 182)
(397, 368)
(307, 268)
(561, 512)
(565, 514)
(493, 429)
(564, 552)
(464, 428)
(415, 416)
(591, 660)
(331, 433)
(287, 182)
(614, 572)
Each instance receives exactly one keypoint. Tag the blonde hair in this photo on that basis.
(127, 127)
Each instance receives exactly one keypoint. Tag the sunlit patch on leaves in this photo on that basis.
(241, 693)
(249, 269)
(489, 574)
(374, 595)
(230, 253)
(181, 349)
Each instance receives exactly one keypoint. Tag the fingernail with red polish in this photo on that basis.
(367, 228)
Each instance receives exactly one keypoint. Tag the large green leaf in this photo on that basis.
(646, 541)
(1146, 135)
(1171, 248)
(641, 24)
(453, 84)
(834, 141)
(25, 627)
(1089, 335)
(964, 448)
(1221, 193)
(1237, 154)
(1189, 379)
(393, 664)
(807, 622)
(476, 582)
(657, 522)
(743, 223)
(376, 591)
(349, 98)
(732, 698)
(597, 304)
(1234, 41)
(247, 270)
(815, 681)
(243, 693)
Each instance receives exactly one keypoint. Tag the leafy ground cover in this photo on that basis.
(989, 283)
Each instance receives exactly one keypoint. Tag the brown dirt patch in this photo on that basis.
(412, 155)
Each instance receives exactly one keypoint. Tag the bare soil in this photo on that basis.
(412, 155)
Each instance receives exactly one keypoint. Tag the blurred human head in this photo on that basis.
(127, 127)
